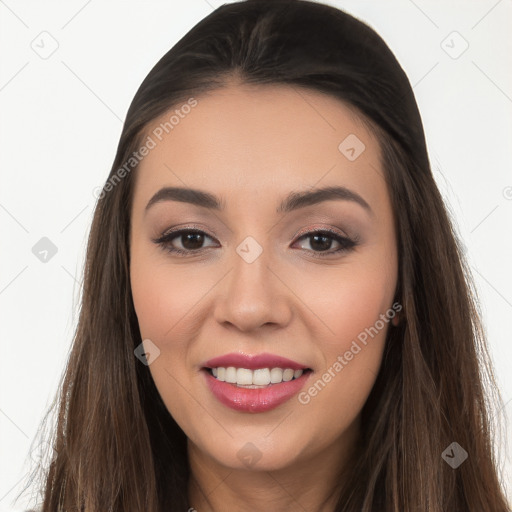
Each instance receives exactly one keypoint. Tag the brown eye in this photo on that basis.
(191, 240)
(321, 242)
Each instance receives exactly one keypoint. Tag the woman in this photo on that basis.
(276, 311)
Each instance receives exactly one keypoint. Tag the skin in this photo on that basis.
(252, 145)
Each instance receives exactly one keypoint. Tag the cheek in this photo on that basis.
(349, 300)
(356, 306)
(150, 302)
(164, 299)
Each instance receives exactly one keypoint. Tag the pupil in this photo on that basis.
(189, 242)
(322, 246)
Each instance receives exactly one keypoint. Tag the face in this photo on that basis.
(266, 273)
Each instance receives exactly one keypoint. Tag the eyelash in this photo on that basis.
(347, 244)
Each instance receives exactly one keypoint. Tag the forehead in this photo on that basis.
(246, 141)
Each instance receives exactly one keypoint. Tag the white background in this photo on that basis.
(60, 124)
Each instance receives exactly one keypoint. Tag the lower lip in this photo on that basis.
(255, 399)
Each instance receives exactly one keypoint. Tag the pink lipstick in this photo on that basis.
(254, 383)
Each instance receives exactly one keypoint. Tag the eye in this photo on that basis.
(321, 241)
(191, 240)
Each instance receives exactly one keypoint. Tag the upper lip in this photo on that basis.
(253, 362)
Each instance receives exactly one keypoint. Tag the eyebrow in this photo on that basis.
(294, 200)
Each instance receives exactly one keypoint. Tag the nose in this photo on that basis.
(253, 294)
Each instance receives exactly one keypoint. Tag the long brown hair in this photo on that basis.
(117, 448)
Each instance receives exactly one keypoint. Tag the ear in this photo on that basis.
(396, 319)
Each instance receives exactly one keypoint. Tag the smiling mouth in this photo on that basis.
(257, 378)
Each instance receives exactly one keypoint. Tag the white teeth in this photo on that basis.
(230, 375)
(259, 377)
(276, 375)
(287, 375)
(243, 376)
